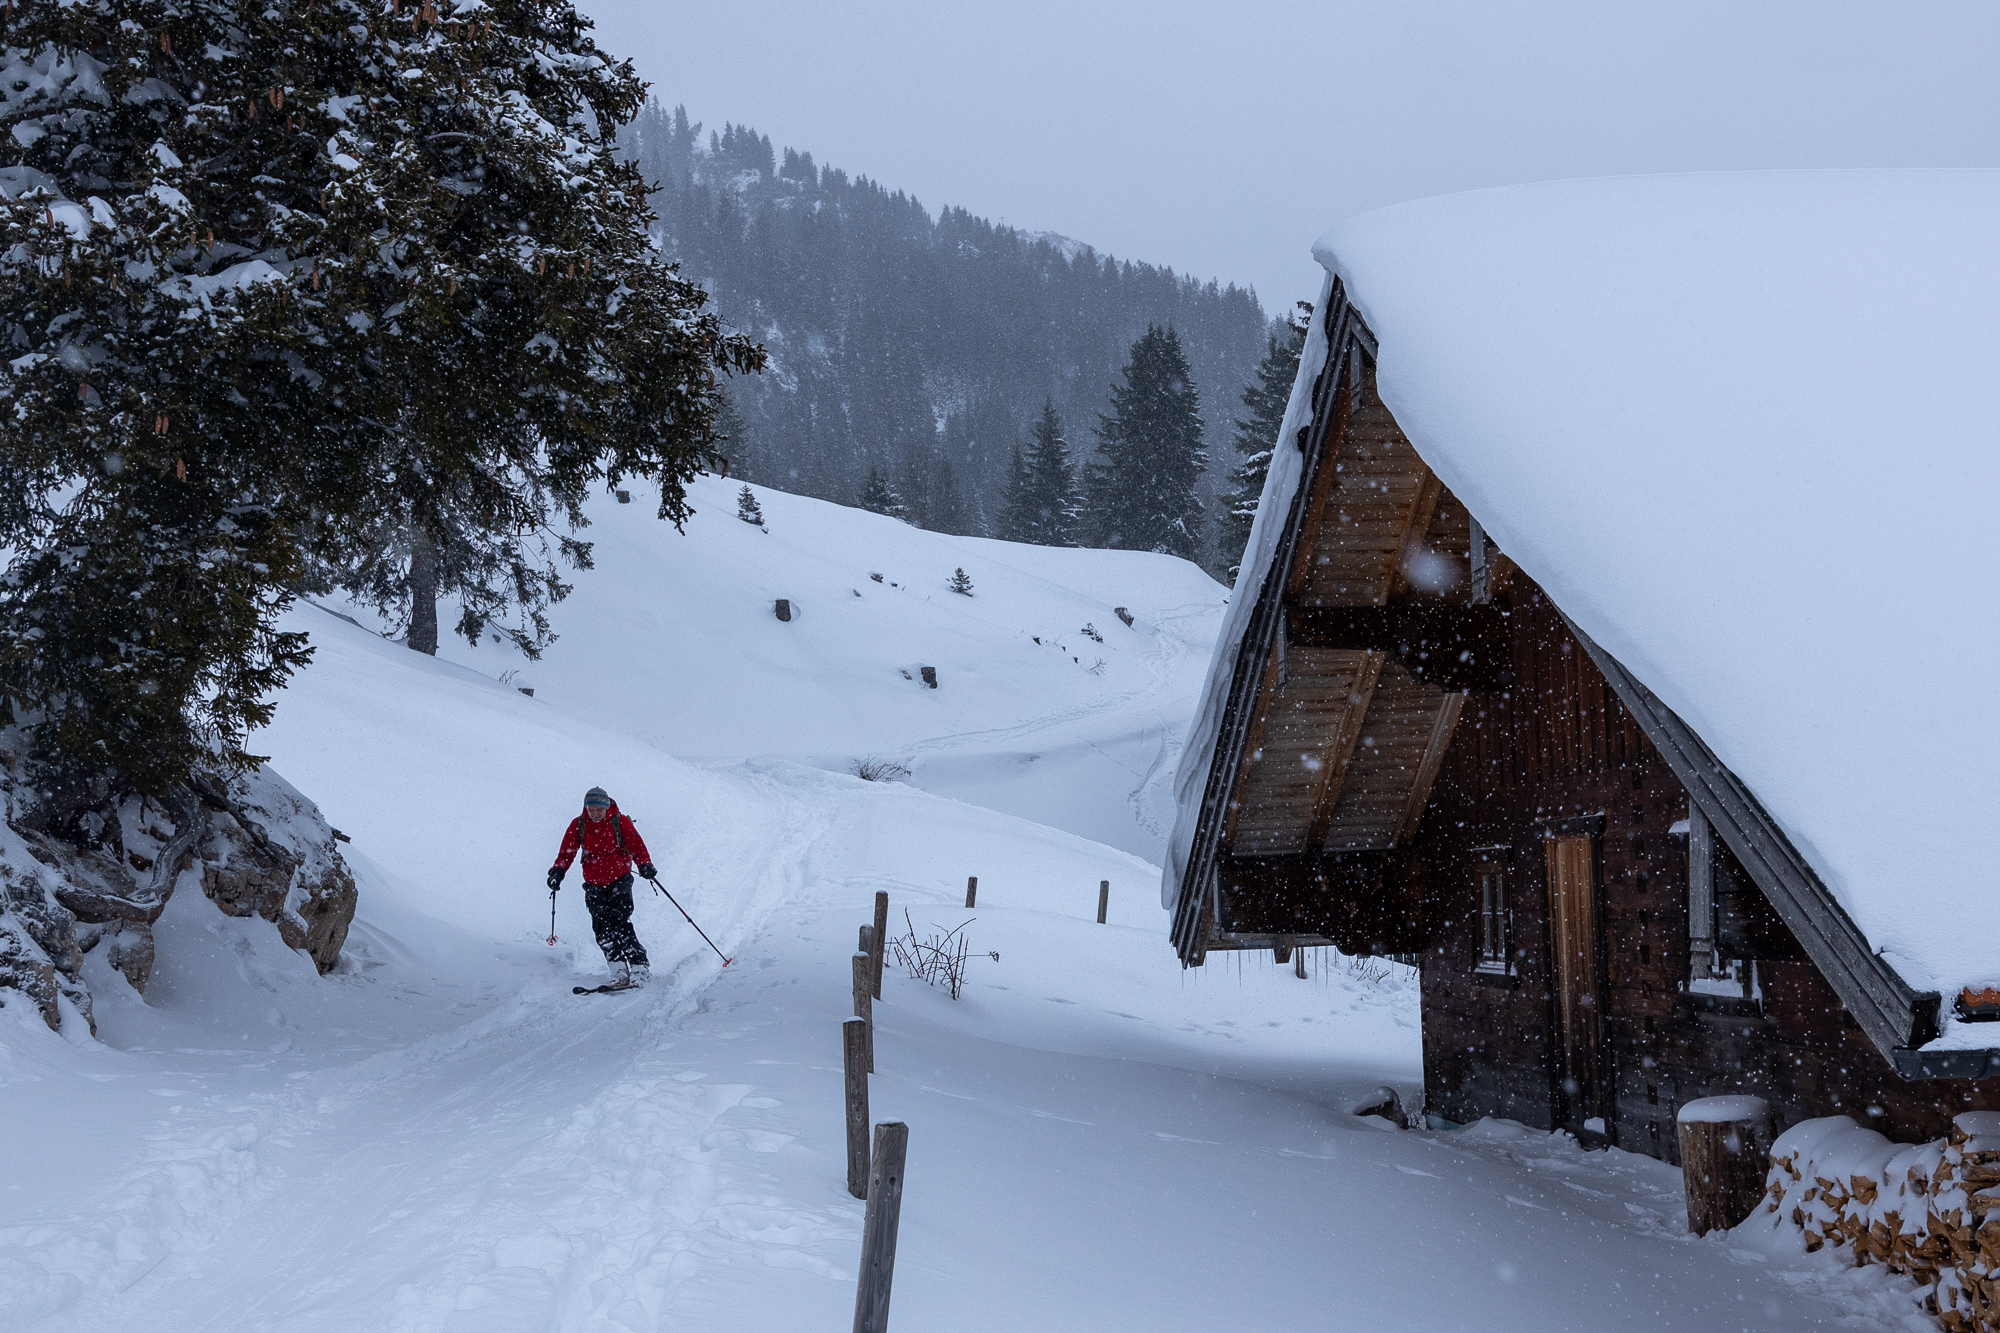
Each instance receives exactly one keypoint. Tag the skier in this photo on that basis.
(609, 843)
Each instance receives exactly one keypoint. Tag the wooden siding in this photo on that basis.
(1313, 716)
(1392, 762)
(1376, 495)
(1342, 756)
(1554, 744)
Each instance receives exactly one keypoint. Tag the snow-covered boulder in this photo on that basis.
(88, 870)
(272, 854)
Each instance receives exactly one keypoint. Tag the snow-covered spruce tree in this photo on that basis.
(747, 507)
(314, 282)
(1141, 490)
(960, 582)
(1041, 501)
(879, 497)
(1265, 398)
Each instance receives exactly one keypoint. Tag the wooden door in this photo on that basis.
(1573, 935)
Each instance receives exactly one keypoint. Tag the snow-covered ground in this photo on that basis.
(441, 1137)
(676, 642)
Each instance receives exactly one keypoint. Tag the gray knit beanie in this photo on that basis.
(596, 796)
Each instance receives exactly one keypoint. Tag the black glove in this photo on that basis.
(646, 871)
(556, 874)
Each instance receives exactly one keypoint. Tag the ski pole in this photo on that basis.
(726, 960)
(552, 918)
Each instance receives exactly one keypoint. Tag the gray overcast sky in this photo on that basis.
(1222, 139)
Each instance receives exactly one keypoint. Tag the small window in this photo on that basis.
(1496, 920)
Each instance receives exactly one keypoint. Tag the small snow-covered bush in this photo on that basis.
(960, 583)
(748, 509)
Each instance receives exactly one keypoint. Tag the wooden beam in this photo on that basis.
(1427, 771)
(1701, 892)
(1446, 644)
(1429, 488)
(1339, 751)
(1253, 740)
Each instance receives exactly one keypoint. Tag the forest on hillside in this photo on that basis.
(922, 347)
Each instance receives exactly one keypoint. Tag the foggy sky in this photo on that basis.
(1223, 138)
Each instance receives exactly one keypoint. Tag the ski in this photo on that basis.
(605, 989)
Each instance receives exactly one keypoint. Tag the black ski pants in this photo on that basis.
(611, 918)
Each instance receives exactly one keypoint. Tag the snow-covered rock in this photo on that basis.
(272, 854)
(99, 877)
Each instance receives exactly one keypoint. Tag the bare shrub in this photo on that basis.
(877, 769)
(1369, 971)
(939, 957)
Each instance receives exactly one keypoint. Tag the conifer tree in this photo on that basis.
(1266, 399)
(960, 582)
(1142, 487)
(748, 509)
(1041, 501)
(879, 497)
(948, 510)
(1011, 516)
(309, 291)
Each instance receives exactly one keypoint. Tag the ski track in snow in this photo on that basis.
(440, 1138)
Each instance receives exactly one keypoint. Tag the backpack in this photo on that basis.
(617, 831)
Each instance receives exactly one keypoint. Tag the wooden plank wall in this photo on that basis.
(1551, 744)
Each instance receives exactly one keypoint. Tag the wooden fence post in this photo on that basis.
(1299, 964)
(1725, 1154)
(881, 936)
(862, 1009)
(854, 1056)
(878, 1229)
(1103, 899)
(971, 889)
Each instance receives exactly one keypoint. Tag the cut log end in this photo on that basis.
(1725, 1145)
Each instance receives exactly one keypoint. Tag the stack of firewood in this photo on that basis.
(1931, 1210)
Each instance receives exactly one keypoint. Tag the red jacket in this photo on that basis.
(603, 859)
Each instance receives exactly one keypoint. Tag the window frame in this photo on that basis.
(1495, 915)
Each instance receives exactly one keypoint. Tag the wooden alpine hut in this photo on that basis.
(1617, 643)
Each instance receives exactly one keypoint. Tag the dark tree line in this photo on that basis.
(924, 348)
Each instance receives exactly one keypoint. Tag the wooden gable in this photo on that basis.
(1344, 743)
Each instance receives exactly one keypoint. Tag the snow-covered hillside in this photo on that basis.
(1047, 706)
(439, 1137)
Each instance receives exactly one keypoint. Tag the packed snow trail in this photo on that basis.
(440, 1138)
(672, 1159)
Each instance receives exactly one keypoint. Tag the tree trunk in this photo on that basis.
(423, 593)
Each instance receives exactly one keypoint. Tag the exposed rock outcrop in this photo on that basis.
(94, 871)
(269, 853)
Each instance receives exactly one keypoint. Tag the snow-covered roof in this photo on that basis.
(1744, 430)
